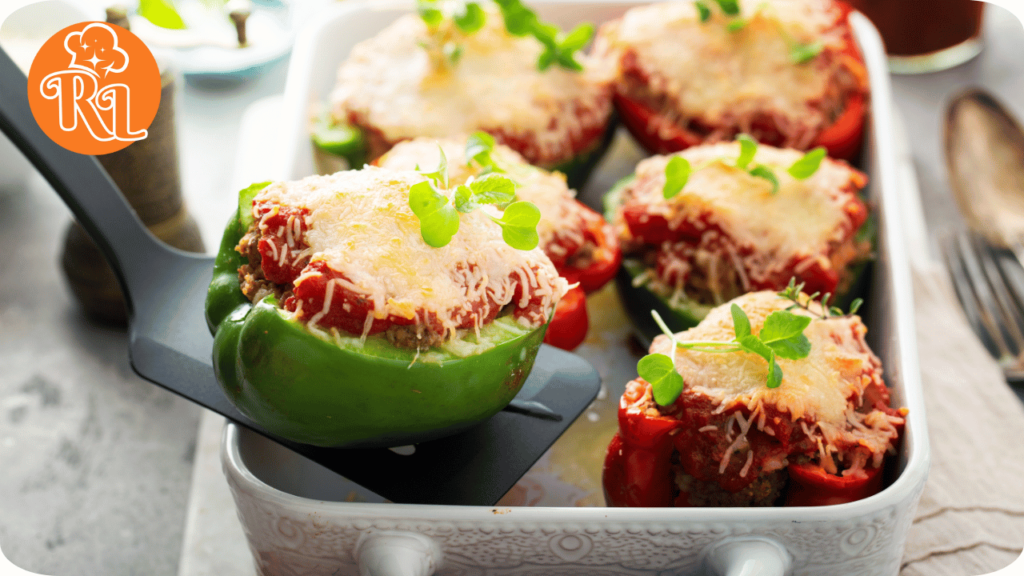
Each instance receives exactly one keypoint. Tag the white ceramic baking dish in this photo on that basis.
(300, 518)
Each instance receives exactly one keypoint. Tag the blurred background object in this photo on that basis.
(926, 35)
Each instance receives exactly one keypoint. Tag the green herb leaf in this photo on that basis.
(245, 198)
(753, 344)
(677, 173)
(855, 305)
(161, 13)
(578, 38)
(774, 374)
(808, 164)
(666, 383)
(801, 53)
(452, 52)
(471, 18)
(546, 59)
(794, 348)
(441, 174)
(741, 324)
(429, 12)
(519, 20)
(519, 225)
(493, 189)
(762, 171)
(479, 147)
(748, 148)
(781, 325)
(737, 24)
(463, 200)
(438, 219)
(703, 11)
(730, 7)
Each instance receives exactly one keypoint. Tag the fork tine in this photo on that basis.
(1009, 313)
(979, 319)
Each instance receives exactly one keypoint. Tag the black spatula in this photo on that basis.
(170, 345)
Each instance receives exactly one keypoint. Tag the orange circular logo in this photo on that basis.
(94, 88)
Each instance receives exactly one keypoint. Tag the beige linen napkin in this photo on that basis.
(971, 517)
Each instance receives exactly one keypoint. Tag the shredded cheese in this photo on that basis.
(816, 391)
(731, 78)
(391, 84)
(361, 226)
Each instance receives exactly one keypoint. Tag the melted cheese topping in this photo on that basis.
(800, 220)
(817, 389)
(560, 213)
(391, 84)
(360, 225)
(726, 77)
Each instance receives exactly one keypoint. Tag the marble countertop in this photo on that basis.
(97, 463)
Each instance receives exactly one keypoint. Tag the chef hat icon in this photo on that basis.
(94, 49)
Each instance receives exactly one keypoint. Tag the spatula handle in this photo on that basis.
(81, 182)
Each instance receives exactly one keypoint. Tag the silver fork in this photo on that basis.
(989, 282)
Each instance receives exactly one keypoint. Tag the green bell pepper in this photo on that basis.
(345, 392)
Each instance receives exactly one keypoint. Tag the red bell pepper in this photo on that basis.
(606, 258)
(810, 485)
(637, 467)
(568, 327)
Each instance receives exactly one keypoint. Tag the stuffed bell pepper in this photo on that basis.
(374, 306)
(715, 221)
(581, 245)
(456, 68)
(773, 399)
(787, 72)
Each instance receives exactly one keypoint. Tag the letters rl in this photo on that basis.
(104, 111)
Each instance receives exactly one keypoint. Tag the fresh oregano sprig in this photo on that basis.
(439, 215)
(678, 169)
(782, 336)
(793, 292)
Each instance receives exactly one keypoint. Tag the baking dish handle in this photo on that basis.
(748, 557)
(397, 554)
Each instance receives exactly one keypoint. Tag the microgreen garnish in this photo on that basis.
(801, 53)
(558, 47)
(762, 171)
(479, 147)
(808, 164)
(439, 215)
(660, 371)
(469, 17)
(677, 173)
(794, 291)
(519, 224)
(730, 7)
(737, 24)
(782, 336)
(678, 169)
(704, 12)
(748, 147)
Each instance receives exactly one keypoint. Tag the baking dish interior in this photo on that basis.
(888, 310)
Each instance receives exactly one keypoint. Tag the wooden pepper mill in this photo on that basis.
(147, 173)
